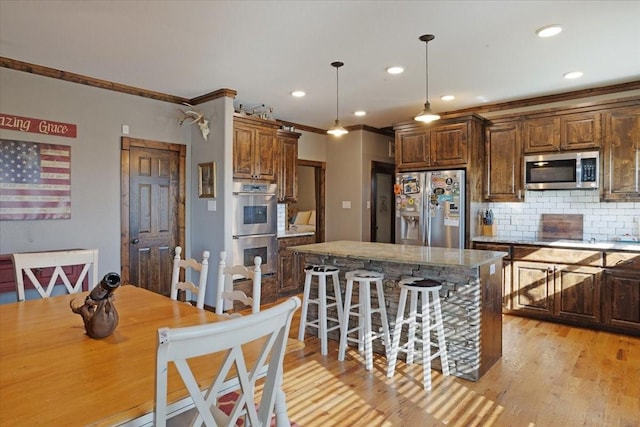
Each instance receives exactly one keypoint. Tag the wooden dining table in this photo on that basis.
(52, 373)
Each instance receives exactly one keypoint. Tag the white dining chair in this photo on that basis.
(225, 292)
(30, 264)
(178, 345)
(180, 265)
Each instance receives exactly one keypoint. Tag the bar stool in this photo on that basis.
(364, 311)
(320, 323)
(425, 289)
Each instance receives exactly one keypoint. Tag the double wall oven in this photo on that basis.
(255, 224)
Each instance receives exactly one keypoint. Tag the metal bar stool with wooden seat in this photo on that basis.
(321, 321)
(425, 289)
(364, 311)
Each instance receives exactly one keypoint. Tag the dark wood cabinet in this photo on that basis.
(557, 291)
(503, 165)
(290, 266)
(621, 155)
(287, 166)
(254, 148)
(581, 131)
(449, 142)
(541, 134)
(569, 290)
(412, 149)
(588, 288)
(506, 269)
(575, 131)
(448, 145)
(621, 296)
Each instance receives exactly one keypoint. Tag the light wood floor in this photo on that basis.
(549, 375)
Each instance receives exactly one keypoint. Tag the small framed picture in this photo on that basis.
(207, 180)
(392, 149)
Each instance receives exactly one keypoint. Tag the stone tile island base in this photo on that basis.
(471, 305)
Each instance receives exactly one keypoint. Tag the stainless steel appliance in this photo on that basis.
(430, 208)
(562, 171)
(255, 224)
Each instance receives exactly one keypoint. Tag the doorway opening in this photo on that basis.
(383, 204)
(311, 192)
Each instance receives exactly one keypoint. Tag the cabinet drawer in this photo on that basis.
(622, 260)
(558, 255)
(494, 247)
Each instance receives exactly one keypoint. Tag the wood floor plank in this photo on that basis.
(550, 375)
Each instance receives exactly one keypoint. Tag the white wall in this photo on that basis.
(95, 158)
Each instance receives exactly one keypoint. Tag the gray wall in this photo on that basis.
(95, 158)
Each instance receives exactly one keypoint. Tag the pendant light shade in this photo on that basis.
(427, 115)
(337, 129)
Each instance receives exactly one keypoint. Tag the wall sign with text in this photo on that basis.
(28, 124)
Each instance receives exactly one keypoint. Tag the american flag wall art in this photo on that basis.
(35, 180)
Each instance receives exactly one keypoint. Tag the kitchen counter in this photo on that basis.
(405, 254)
(471, 293)
(571, 244)
(293, 233)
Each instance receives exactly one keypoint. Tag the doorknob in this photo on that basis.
(135, 241)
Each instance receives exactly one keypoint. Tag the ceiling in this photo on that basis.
(483, 52)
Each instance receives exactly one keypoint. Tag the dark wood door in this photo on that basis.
(621, 173)
(503, 163)
(448, 145)
(155, 217)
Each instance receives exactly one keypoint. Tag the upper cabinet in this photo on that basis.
(287, 166)
(541, 134)
(561, 132)
(621, 155)
(412, 148)
(448, 145)
(503, 166)
(581, 131)
(445, 143)
(254, 148)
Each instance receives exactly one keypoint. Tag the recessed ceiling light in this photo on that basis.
(447, 97)
(360, 113)
(395, 70)
(549, 30)
(298, 93)
(573, 75)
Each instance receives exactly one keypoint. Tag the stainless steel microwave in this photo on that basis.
(562, 171)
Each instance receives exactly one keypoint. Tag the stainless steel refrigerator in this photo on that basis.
(430, 208)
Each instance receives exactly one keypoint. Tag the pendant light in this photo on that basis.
(337, 129)
(427, 115)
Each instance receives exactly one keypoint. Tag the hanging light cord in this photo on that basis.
(337, 92)
(426, 62)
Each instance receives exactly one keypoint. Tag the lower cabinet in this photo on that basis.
(621, 293)
(506, 269)
(290, 267)
(560, 291)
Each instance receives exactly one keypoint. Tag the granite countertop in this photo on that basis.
(571, 244)
(293, 233)
(403, 254)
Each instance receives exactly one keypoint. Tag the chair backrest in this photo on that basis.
(177, 345)
(30, 263)
(226, 295)
(201, 267)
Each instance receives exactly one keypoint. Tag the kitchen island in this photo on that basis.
(471, 292)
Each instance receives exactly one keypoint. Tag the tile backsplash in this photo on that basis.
(522, 221)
